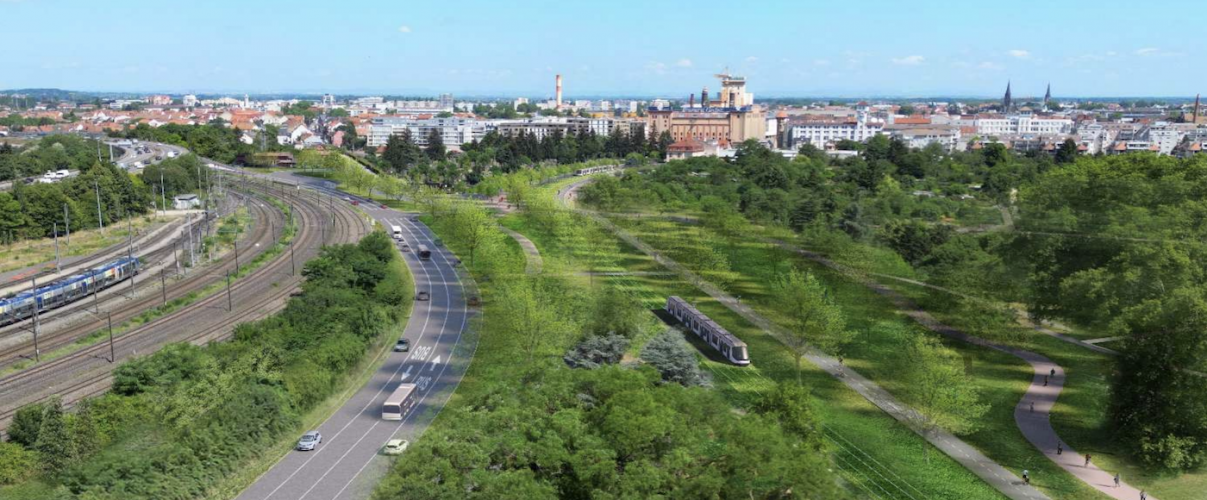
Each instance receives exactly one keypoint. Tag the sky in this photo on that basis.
(849, 48)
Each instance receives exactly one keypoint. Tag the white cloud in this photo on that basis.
(909, 60)
(821, 62)
(404, 29)
(1018, 53)
(752, 59)
(1147, 51)
(656, 67)
(684, 63)
(990, 65)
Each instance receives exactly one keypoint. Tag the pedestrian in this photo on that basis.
(1060, 449)
(1087, 459)
(1033, 407)
(1026, 477)
(1116, 480)
(1045, 380)
(1143, 495)
(1053, 374)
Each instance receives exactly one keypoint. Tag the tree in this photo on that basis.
(1067, 152)
(26, 423)
(674, 359)
(813, 316)
(942, 393)
(906, 109)
(435, 145)
(54, 444)
(475, 228)
(84, 438)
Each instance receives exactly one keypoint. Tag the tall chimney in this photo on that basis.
(691, 101)
(1196, 109)
(559, 91)
(704, 98)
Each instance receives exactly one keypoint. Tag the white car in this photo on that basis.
(395, 447)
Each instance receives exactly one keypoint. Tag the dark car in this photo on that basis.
(423, 296)
(403, 345)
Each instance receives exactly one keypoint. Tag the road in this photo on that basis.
(348, 463)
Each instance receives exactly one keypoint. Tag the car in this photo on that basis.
(421, 296)
(356, 202)
(395, 447)
(383, 207)
(405, 247)
(474, 301)
(403, 345)
(309, 441)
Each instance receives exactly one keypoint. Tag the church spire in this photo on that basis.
(1048, 94)
(1006, 98)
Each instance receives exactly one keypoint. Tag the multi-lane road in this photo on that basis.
(348, 463)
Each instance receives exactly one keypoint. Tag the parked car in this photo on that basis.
(422, 296)
(309, 441)
(403, 345)
(395, 447)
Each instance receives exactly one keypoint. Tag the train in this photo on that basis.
(64, 291)
(596, 170)
(717, 337)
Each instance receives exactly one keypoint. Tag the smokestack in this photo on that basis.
(559, 91)
(1196, 109)
(691, 101)
(704, 98)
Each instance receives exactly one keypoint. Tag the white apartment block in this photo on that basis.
(821, 133)
(920, 137)
(453, 131)
(1023, 125)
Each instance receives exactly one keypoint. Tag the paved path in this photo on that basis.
(995, 475)
(531, 253)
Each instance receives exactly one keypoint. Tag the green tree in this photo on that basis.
(1067, 153)
(54, 443)
(815, 320)
(25, 425)
(675, 359)
(435, 145)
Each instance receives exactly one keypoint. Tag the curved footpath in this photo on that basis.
(991, 472)
(532, 255)
(348, 463)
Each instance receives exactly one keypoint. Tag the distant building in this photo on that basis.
(453, 131)
(159, 100)
(730, 119)
(189, 101)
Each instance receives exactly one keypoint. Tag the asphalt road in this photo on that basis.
(348, 463)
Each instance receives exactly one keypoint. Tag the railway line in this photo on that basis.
(124, 301)
(265, 290)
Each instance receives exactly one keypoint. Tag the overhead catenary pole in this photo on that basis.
(230, 305)
(67, 224)
(100, 220)
(163, 287)
(58, 266)
(109, 317)
(163, 198)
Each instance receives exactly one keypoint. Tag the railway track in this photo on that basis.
(123, 303)
(264, 291)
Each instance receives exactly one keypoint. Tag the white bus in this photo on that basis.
(396, 230)
(399, 403)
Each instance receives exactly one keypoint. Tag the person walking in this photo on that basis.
(1060, 449)
(1033, 407)
(1143, 495)
(1117, 480)
(1026, 477)
(1045, 380)
(1053, 373)
(1087, 459)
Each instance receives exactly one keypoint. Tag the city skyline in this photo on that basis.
(619, 49)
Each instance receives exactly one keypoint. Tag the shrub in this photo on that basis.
(597, 351)
(674, 359)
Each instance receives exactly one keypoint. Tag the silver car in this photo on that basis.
(309, 441)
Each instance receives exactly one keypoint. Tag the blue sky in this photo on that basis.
(617, 47)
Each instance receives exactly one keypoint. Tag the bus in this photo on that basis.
(396, 230)
(425, 253)
(399, 402)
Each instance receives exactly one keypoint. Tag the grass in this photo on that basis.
(27, 253)
(1000, 378)
(891, 449)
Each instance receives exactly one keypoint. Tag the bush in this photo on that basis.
(597, 351)
(674, 359)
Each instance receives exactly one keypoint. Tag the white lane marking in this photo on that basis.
(434, 363)
(460, 331)
(426, 320)
(406, 374)
(447, 313)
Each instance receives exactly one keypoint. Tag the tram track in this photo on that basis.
(260, 293)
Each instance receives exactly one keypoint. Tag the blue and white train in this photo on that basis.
(708, 330)
(596, 170)
(66, 290)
